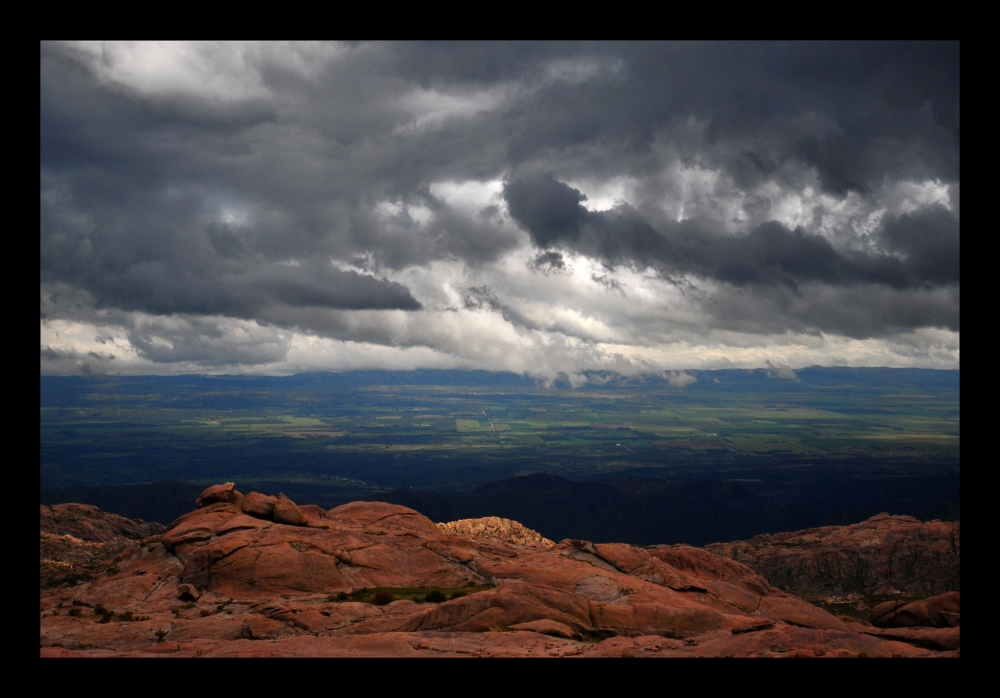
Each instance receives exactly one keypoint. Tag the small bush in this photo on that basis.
(160, 634)
(458, 595)
(75, 612)
(205, 612)
(100, 610)
(436, 596)
(113, 570)
(382, 598)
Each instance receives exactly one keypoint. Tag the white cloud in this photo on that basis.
(215, 72)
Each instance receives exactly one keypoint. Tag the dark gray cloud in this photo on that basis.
(778, 187)
(927, 243)
(548, 262)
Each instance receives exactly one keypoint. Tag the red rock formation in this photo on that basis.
(218, 493)
(259, 587)
(881, 556)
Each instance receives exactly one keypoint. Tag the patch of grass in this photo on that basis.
(382, 598)
(384, 595)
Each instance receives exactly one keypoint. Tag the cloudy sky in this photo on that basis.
(539, 208)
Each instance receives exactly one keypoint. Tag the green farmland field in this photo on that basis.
(351, 434)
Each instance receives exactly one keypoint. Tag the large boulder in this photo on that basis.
(259, 505)
(286, 512)
(224, 493)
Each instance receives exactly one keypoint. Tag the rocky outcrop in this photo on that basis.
(225, 583)
(216, 494)
(259, 505)
(941, 611)
(78, 541)
(286, 512)
(497, 529)
(884, 555)
(90, 524)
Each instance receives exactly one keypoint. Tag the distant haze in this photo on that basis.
(541, 208)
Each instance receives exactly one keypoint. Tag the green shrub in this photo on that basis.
(458, 595)
(382, 598)
(436, 596)
(112, 570)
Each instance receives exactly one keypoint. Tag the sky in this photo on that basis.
(550, 208)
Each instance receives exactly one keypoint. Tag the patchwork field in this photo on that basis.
(344, 435)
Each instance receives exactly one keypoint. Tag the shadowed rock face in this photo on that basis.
(881, 556)
(76, 541)
(225, 583)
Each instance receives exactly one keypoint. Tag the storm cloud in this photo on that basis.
(530, 206)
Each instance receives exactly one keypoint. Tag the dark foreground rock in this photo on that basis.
(222, 582)
(77, 541)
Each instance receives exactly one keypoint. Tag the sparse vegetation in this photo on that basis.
(859, 606)
(108, 616)
(381, 596)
